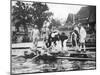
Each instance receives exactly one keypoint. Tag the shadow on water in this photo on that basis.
(50, 64)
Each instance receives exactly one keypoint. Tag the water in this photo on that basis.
(29, 66)
(19, 66)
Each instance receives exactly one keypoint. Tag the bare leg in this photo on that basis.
(33, 43)
(84, 47)
(76, 44)
(80, 48)
(64, 44)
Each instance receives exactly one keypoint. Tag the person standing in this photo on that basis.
(83, 35)
(35, 35)
(75, 37)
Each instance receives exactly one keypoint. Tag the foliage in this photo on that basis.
(55, 23)
(26, 14)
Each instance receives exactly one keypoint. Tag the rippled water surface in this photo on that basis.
(19, 66)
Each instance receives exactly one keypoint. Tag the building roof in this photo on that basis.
(86, 14)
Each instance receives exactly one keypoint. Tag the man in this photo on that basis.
(82, 37)
(75, 37)
(64, 40)
(53, 40)
(35, 34)
(55, 36)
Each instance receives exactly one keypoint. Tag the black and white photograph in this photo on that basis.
(52, 37)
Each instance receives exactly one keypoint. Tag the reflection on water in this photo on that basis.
(48, 66)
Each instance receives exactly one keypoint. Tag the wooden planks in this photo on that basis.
(76, 58)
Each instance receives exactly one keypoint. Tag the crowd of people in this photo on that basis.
(58, 40)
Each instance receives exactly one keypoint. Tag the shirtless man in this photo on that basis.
(35, 35)
(75, 37)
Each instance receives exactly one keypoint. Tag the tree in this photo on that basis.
(54, 23)
(41, 13)
(26, 14)
(20, 15)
